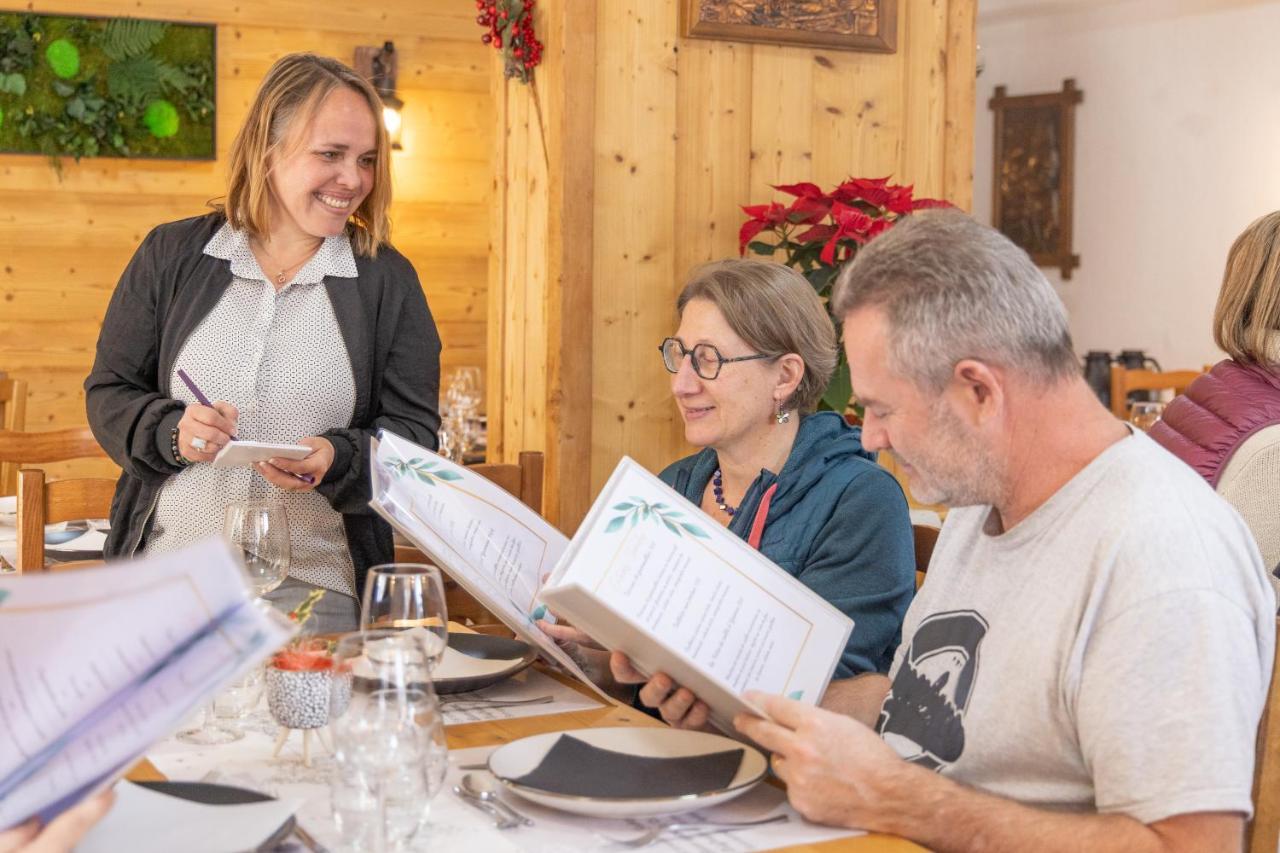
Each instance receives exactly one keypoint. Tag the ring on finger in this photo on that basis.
(199, 443)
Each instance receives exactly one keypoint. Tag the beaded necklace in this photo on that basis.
(717, 490)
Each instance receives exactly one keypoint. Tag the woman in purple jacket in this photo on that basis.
(1227, 425)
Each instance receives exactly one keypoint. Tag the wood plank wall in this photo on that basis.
(686, 131)
(64, 241)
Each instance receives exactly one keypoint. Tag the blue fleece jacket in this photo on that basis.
(838, 522)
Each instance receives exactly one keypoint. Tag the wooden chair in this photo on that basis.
(524, 480)
(1124, 380)
(41, 503)
(926, 536)
(36, 448)
(13, 418)
(1263, 832)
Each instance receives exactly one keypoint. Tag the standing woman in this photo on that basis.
(292, 312)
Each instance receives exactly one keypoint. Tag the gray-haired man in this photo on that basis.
(1086, 665)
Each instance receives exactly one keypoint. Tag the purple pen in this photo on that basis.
(204, 401)
(194, 389)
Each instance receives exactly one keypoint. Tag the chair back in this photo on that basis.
(1263, 832)
(524, 480)
(1124, 380)
(19, 448)
(926, 536)
(41, 503)
(13, 418)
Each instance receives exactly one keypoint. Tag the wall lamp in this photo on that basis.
(378, 66)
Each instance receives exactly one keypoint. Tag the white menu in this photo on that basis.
(649, 573)
(98, 664)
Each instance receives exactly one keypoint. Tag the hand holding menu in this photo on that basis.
(647, 573)
(99, 664)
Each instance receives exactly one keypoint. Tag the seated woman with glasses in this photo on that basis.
(753, 354)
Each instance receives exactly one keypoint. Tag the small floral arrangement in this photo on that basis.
(305, 654)
(509, 25)
(819, 231)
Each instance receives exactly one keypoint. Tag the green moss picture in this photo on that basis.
(106, 87)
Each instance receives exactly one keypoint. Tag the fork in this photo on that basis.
(692, 830)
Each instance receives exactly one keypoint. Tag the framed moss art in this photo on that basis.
(107, 87)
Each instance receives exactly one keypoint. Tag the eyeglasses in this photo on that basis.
(706, 359)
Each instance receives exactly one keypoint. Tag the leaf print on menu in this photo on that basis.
(635, 510)
(424, 471)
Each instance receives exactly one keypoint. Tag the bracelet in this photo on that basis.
(181, 460)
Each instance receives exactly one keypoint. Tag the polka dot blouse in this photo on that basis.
(279, 358)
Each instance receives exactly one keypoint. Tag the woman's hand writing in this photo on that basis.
(209, 427)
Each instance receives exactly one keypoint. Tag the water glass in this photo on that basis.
(260, 529)
(1144, 413)
(388, 738)
(408, 595)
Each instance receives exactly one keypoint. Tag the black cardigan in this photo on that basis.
(169, 286)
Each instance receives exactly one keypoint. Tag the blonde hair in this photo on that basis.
(777, 312)
(1249, 303)
(286, 102)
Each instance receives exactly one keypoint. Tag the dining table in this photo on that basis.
(606, 713)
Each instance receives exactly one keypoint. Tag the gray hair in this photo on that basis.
(952, 289)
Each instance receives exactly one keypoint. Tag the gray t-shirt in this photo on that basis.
(1112, 652)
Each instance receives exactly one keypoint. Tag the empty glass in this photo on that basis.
(388, 739)
(408, 595)
(260, 529)
(1144, 413)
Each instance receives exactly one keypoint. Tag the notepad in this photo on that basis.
(242, 454)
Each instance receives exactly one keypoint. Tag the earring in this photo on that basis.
(783, 415)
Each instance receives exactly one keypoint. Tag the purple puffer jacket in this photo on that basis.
(1221, 409)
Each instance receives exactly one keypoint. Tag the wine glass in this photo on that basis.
(398, 596)
(260, 529)
(388, 738)
(1144, 413)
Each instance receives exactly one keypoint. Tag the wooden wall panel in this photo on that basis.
(688, 130)
(65, 239)
(635, 232)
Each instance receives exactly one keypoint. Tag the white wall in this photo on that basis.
(1177, 150)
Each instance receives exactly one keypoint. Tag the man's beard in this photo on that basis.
(955, 470)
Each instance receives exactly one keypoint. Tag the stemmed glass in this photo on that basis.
(1144, 413)
(260, 530)
(462, 403)
(408, 595)
(388, 739)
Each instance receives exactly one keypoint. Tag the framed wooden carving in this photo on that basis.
(1034, 173)
(840, 24)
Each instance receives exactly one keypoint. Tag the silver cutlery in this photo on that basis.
(482, 704)
(692, 830)
(482, 788)
(500, 819)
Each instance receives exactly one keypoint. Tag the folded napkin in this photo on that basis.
(577, 768)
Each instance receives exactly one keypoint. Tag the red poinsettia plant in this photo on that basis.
(819, 231)
(305, 654)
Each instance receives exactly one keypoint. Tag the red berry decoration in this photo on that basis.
(510, 30)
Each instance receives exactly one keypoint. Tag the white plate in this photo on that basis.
(9, 510)
(520, 757)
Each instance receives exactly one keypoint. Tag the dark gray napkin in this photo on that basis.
(577, 768)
